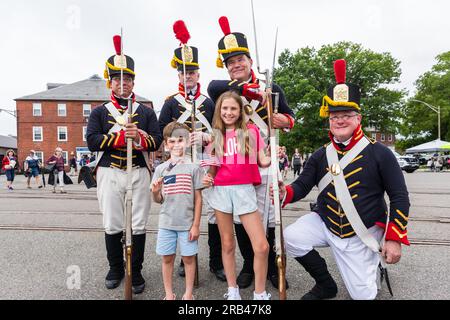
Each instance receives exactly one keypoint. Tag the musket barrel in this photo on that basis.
(129, 210)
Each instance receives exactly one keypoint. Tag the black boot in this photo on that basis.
(272, 270)
(247, 274)
(215, 252)
(315, 265)
(137, 280)
(114, 253)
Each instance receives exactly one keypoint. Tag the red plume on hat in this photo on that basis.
(118, 44)
(224, 25)
(340, 67)
(181, 32)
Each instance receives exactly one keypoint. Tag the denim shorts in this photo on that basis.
(166, 244)
(236, 199)
(9, 175)
(34, 172)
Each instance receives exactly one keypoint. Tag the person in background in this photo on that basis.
(31, 167)
(73, 164)
(9, 164)
(296, 162)
(57, 173)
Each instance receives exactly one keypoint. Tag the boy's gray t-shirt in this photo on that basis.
(180, 183)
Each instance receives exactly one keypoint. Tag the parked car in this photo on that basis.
(407, 163)
(423, 159)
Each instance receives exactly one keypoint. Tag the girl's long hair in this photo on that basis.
(242, 136)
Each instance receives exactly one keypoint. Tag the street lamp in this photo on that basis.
(437, 110)
(11, 112)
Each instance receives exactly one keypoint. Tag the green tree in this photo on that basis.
(433, 87)
(306, 75)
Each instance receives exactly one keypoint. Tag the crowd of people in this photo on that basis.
(35, 169)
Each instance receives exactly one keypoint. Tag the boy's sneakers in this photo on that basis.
(232, 294)
(261, 296)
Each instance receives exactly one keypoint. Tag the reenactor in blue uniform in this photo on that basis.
(107, 134)
(352, 173)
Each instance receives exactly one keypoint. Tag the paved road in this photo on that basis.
(49, 239)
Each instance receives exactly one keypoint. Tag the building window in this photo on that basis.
(40, 156)
(37, 134)
(62, 133)
(390, 137)
(37, 110)
(374, 135)
(65, 155)
(84, 133)
(383, 137)
(86, 110)
(62, 112)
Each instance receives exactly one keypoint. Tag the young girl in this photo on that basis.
(177, 185)
(9, 164)
(239, 149)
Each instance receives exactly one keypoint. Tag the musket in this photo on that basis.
(273, 140)
(182, 34)
(128, 236)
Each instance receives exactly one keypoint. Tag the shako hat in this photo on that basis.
(232, 44)
(190, 53)
(118, 62)
(342, 96)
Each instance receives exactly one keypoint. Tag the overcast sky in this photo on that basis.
(67, 41)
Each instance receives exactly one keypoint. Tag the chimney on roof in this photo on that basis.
(54, 85)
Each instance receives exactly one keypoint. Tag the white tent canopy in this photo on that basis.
(432, 146)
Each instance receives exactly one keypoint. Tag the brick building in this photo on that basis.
(58, 117)
(388, 139)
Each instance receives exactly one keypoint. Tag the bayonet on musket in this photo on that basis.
(128, 236)
(273, 139)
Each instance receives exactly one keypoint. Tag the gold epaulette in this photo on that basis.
(372, 140)
(171, 96)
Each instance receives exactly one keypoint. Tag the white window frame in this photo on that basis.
(374, 135)
(390, 138)
(37, 106)
(58, 132)
(42, 134)
(383, 137)
(41, 158)
(65, 155)
(62, 106)
(87, 106)
(84, 132)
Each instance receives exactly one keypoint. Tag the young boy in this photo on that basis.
(177, 185)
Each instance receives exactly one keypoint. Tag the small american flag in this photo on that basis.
(209, 162)
(178, 184)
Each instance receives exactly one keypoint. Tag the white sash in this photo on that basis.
(188, 112)
(344, 162)
(346, 202)
(116, 128)
(255, 117)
